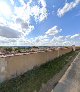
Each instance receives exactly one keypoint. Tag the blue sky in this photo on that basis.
(39, 22)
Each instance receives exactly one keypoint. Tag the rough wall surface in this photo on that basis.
(3, 66)
(18, 64)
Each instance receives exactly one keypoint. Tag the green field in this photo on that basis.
(33, 79)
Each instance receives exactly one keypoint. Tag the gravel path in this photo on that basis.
(70, 82)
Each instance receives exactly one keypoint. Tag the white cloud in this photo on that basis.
(22, 2)
(57, 41)
(39, 13)
(25, 12)
(5, 9)
(40, 40)
(58, 38)
(43, 3)
(28, 30)
(8, 41)
(23, 42)
(68, 36)
(2, 21)
(65, 40)
(67, 43)
(22, 15)
(67, 7)
(74, 36)
(15, 41)
(53, 31)
(19, 18)
(43, 14)
(14, 31)
(35, 11)
(43, 40)
(12, 2)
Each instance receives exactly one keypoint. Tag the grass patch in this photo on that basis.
(33, 79)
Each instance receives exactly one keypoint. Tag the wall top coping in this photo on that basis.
(19, 54)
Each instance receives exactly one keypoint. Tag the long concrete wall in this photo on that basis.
(3, 66)
(18, 64)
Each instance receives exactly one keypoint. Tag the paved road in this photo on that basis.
(70, 82)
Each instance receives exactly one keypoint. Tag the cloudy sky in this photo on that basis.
(39, 22)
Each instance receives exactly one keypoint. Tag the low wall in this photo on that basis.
(19, 64)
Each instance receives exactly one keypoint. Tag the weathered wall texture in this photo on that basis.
(18, 64)
(3, 66)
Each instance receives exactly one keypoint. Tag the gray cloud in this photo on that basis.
(9, 33)
(19, 20)
(24, 25)
(53, 31)
(67, 7)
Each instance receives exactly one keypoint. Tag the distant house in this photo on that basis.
(34, 48)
